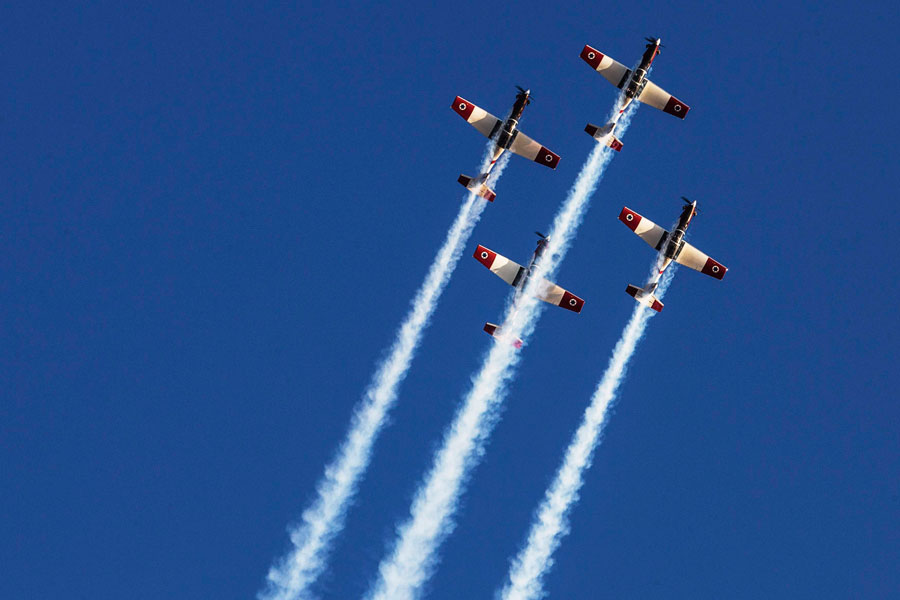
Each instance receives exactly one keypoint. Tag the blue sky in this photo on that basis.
(214, 218)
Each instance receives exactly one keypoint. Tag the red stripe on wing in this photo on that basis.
(571, 302)
(546, 157)
(591, 56)
(484, 256)
(463, 107)
(630, 218)
(714, 269)
(676, 107)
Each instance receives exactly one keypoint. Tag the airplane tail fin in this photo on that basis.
(476, 184)
(604, 134)
(498, 334)
(645, 296)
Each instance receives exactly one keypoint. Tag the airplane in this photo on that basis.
(636, 86)
(671, 246)
(517, 276)
(506, 136)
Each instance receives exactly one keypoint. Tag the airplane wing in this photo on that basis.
(478, 118)
(552, 293)
(530, 149)
(653, 95)
(646, 229)
(507, 270)
(512, 273)
(693, 258)
(615, 72)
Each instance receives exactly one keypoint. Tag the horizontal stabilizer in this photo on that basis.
(604, 134)
(476, 185)
(644, 297)
(497, 333)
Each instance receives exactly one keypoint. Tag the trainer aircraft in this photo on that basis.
(506, 136)
(636, 87)
(671, 246)
(518, 276)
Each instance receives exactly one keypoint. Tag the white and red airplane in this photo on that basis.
(637, 87)
(671, 246)
(518, 276)
(506, 136)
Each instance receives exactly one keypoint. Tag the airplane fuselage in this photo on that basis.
(507, 132)
(674, 242)
(639, 76)
(524, 274)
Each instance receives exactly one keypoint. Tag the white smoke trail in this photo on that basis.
(412, 560)
(550, 522)
(324, 519)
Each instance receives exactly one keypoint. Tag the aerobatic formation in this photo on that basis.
(404, 570)
(506, 136)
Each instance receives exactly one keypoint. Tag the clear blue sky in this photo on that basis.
(214, 217)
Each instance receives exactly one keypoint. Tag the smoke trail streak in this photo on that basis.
(551, 521)
(402, 574)
(324, 519)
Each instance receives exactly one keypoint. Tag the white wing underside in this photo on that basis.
(655, 96)
(691, 257)
(545, 290)
(548, 292)
(505, 269)
(525, 146)
(613, 71)
(483, 121)
(650, 232)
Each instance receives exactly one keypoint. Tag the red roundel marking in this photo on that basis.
(591, 56)
(546, 157)
(714, 269)
(676, 107)
(571, 302)
(484, 256)
(463, 107)
(630, 218)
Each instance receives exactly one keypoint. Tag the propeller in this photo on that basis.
(541, 235)
(688, 202)
(524, 91)
(654, 41)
